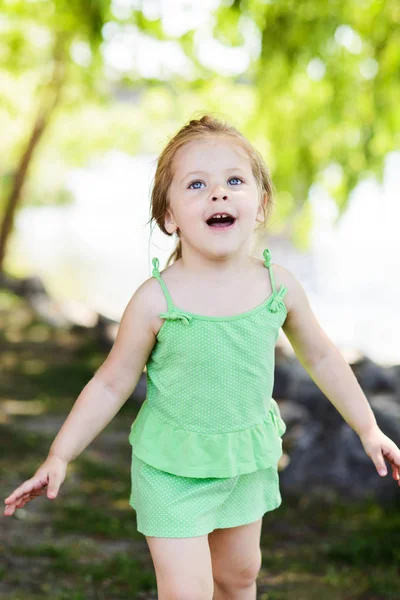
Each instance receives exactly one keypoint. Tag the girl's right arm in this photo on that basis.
(99, 401)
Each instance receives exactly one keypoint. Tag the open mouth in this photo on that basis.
(221, 221)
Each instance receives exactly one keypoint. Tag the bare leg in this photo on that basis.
(236, 561)
(183, 567)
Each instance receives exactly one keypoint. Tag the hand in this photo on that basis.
(378, 446)
(50, 475)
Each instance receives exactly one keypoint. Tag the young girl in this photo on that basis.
(207, 439)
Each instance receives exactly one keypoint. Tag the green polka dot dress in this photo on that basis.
(208, 437)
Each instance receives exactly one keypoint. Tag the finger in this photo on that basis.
(22, 489)
(54, 486)
(12, 505)
(395, 464)
(38, 490)
(26, 488)
(28, 496)
(9, 510)
(380, 465)
(392, 454)
(23, 498)
(16, 494)
(26, 499)
(395, 472)
(11, 498)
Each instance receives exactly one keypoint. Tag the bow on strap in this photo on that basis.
(276, 301)
(267, 257)
(156, 263)
(174, 315)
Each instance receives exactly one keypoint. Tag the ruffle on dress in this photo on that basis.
(192, 454)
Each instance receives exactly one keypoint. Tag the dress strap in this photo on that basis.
(157, 275)
(267, 263)
(172, 312)
(275, 302)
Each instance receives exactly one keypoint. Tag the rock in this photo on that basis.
(326, 457)
(374, 377)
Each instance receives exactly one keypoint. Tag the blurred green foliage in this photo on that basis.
(318, 97)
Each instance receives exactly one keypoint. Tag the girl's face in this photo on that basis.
(213, 175)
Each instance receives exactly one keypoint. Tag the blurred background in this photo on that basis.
(90, 92)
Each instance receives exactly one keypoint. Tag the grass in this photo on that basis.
(85, 545)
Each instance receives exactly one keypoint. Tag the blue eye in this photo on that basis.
(201, 182)
(193, 182)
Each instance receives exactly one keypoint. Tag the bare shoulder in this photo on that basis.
(284, 277)
(295, 294)
(151, 294)
(133, 344)
(302, 328)
(140, 309)
(150, 299)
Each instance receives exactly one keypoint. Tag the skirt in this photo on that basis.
(173, 506)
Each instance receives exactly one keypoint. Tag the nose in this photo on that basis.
(219, 192)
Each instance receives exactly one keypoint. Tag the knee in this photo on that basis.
(247, 575)
(250, 573)
(241, 577)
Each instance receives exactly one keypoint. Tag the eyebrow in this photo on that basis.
(205, 172)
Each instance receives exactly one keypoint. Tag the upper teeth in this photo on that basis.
(219, 216)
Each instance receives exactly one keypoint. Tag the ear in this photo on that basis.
(260, 218)
(169, 222)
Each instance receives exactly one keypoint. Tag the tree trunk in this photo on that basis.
(48, 103)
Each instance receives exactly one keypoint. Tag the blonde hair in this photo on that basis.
(198, 128)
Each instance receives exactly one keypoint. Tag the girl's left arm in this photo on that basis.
(334, 376)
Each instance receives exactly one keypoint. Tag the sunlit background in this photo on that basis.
(100, 251)
(94, 249)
